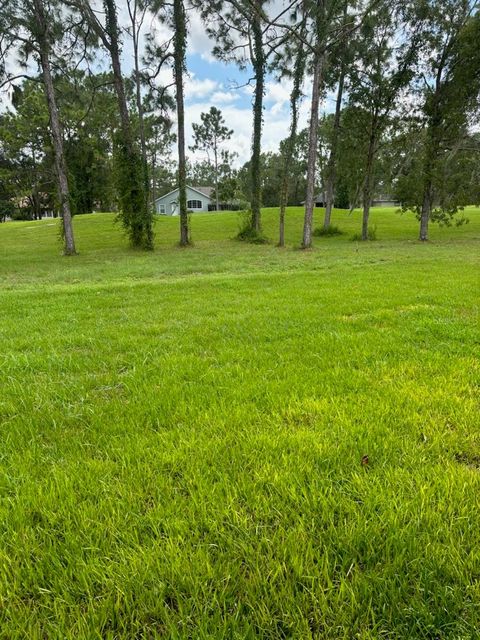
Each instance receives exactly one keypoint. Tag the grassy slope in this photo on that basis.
(182, 434)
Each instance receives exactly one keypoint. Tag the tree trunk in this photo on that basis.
(431, 150)
(256, 174)
(141, 123)
(179, 65)
(136, 215)
(332, 160)
(154, 193)
(290, 146)
(367, 185)
(216, 177)
(56, 130)
(114, 50)
(319, 64)
(37, 209)
(426, 210)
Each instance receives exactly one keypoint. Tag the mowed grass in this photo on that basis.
(182, 433)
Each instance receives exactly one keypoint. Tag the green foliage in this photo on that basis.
(246, 232)
(134, 215)
(271, 164)
(88, 120)
(438, 181)
(341, 195)
(371, 234)
(327, 232)
(185, 461)
(210, 132)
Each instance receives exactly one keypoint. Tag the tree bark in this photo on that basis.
(298, 72)
(135, 212)
(332, 160)
(56, 130)
(215, 152)
(256, 174)
(319, 64)
(154, 169)
(112, 30)
(426, 211)
(431, 151)
(179, 65)
(138, 88)
(367, 185)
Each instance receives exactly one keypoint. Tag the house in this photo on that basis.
(384, 200)
(319, 200)
(198, 199)
(380, 200)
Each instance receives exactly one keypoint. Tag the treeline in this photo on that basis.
(405, 76)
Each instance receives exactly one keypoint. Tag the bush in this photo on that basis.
(371, 234)
(321, 232)
(246, 233)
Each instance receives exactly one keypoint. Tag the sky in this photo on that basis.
(213, 83)
(210, 82)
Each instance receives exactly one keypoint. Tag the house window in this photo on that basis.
(161, 208)
(194, 204)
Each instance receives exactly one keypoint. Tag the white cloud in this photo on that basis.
(277, 95)
(198, 39)
(196, 88)
(224, 97)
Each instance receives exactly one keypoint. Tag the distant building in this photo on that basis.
(319, 200)
(198, 199)
(385, 200)
(380, 200)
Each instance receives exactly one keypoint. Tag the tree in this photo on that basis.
(450, 87)
(179, 49)
(173, 15)
(208, 136)
(34, 28)
(159, 140)
(297, 75)
(137, 11)
(135, 214)
(89, 107)
(27, 150)
(242, 30)
(325, 28)
(384, 66)
(344, 55)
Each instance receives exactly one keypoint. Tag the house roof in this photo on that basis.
(384, 197)
(207, 191)
(319, 197)
(204, 191)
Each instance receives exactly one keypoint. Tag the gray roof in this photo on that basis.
(207, 191)
(384, 197)
(320, 197)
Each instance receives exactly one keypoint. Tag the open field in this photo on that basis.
(182, 433)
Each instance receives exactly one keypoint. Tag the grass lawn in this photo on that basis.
(182, 433)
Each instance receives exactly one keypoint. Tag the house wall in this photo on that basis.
(385, 203)
(168, 204)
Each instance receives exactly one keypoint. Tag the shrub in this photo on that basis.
(321, 232)
(371, 234)
(246, 233)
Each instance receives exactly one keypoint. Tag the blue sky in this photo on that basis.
(214, 83)
(211, 82)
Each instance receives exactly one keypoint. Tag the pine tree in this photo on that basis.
(35, 28)
(208, 136)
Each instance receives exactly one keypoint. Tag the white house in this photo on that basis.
(198, 199)
(384, 200)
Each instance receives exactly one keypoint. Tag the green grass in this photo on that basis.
(182, 433)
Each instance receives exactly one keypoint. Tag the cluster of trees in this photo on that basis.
(405, 75)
